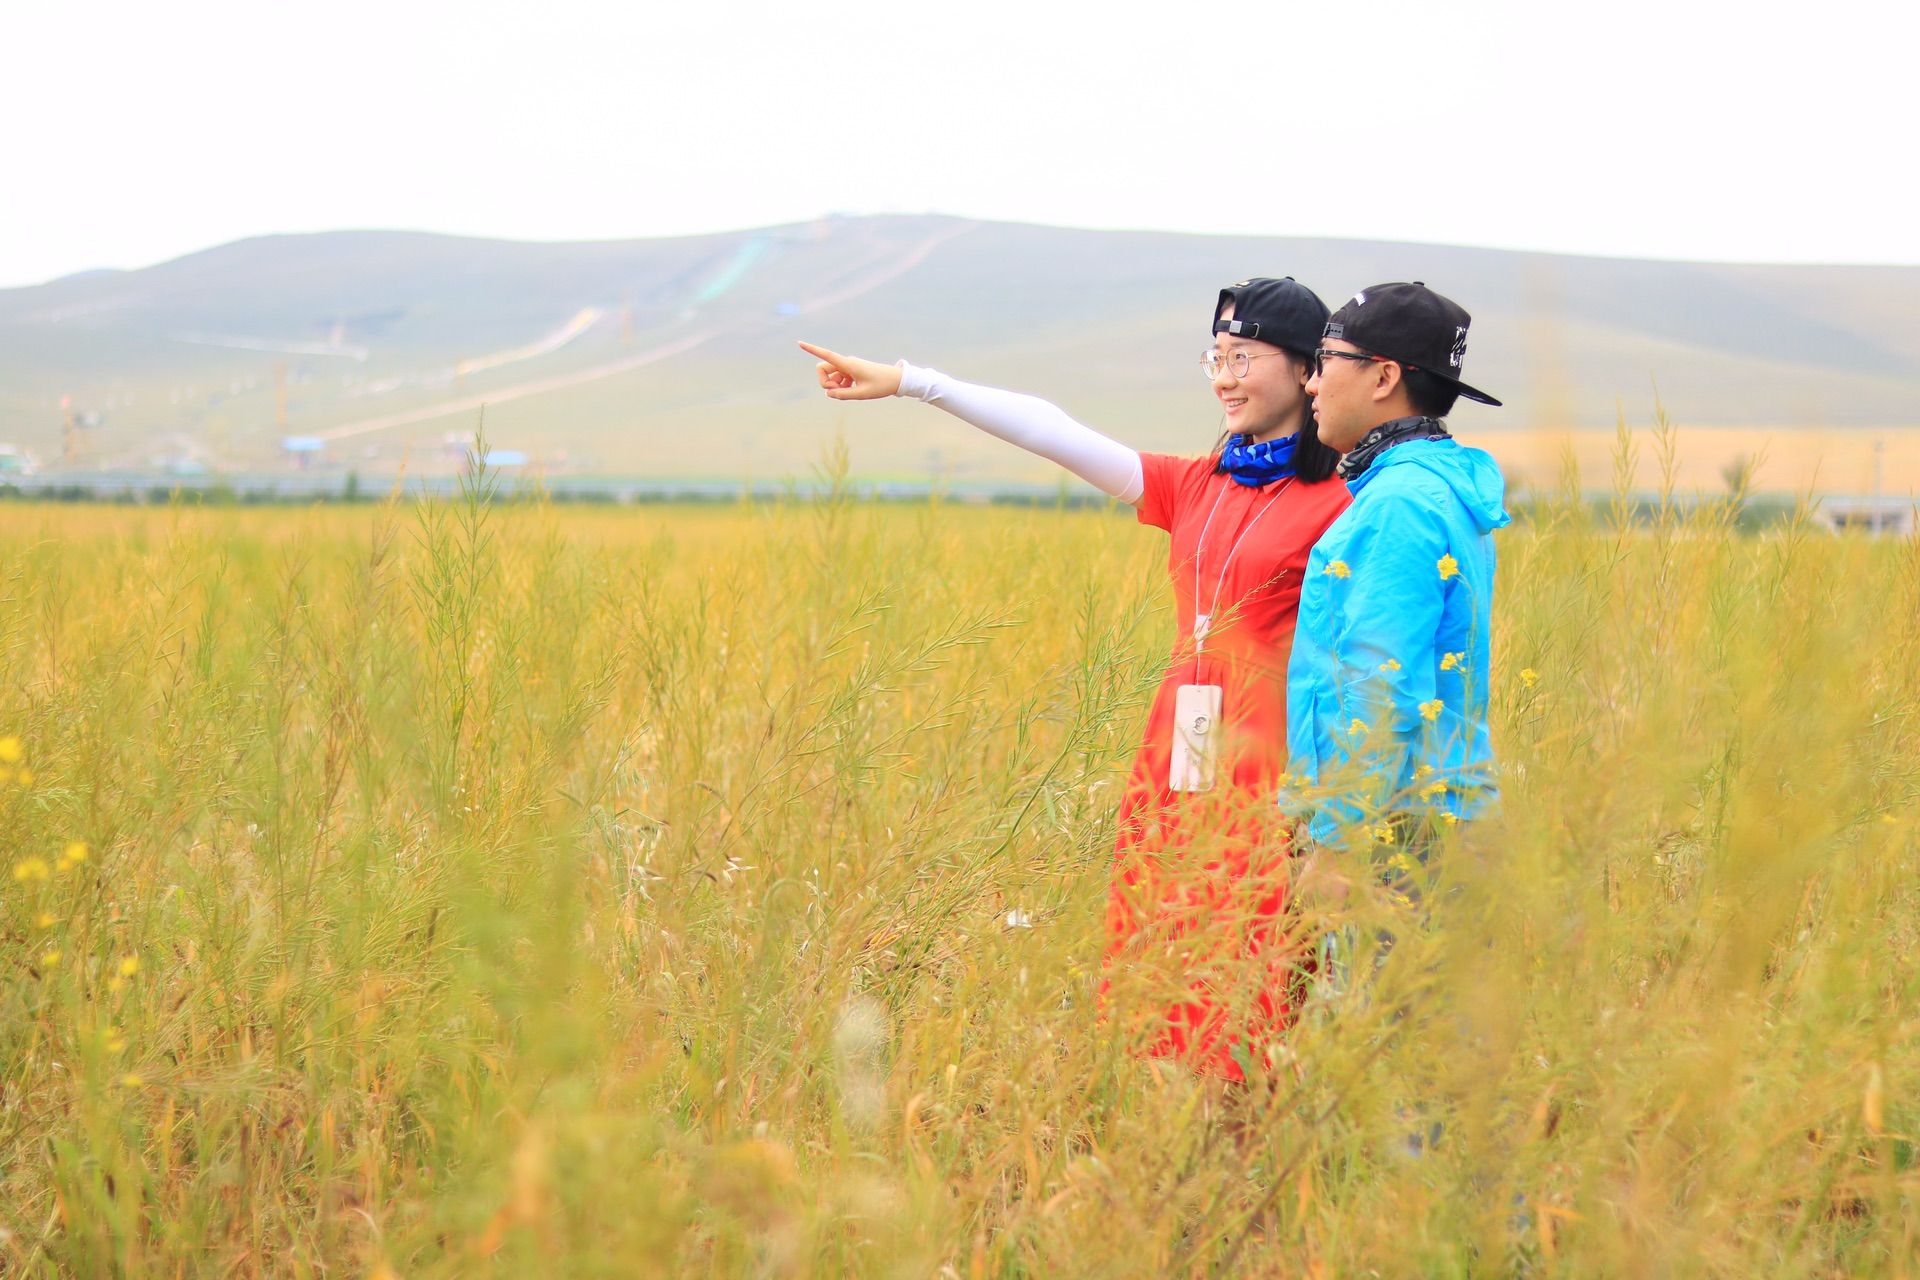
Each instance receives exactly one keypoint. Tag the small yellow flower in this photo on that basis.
(1358, 728)
(1529, 677)
(1431, 710)
(1448, 566)
(24, 777)
(1383, 834)
(44, 920)
(131, 1080)
(10, 751)
(1337, 569)
(1391, 664)
(116, 984)
(1888, 818)
(115, 1042)
(50, 957)
(1422, 771)
(1434, 789)
(30, 869)
(1453, 662)
(73, 855)
(129, 965)
(1451, 819)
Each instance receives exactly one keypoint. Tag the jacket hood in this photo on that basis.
(1471, 473)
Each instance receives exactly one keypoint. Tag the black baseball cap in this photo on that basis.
(1283, 312)
(1412, 325)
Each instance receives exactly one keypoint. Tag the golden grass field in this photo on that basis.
(470, 890)
(1791, 462)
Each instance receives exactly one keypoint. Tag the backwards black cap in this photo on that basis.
(1411, 325)
(1282, 312)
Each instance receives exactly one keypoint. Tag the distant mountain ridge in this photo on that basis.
(675, 357)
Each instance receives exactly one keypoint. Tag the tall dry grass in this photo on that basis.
(490, 890)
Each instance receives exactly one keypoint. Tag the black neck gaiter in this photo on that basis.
(1384, 437)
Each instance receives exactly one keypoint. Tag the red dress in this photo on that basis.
(1195, 914)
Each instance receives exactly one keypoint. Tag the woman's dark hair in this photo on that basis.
(1430, 396)
(1313, 461)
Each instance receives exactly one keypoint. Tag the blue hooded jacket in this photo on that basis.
(1387, 685)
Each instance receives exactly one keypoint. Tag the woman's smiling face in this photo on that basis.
(1269, 396)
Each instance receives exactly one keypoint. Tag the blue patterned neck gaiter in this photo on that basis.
(1256, 464)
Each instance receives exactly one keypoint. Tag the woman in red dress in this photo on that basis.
(1195, 915)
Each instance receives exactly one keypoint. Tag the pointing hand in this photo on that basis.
(851, 378)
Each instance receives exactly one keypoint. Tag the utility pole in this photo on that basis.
(1879, 474)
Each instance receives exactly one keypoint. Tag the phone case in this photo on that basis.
(1196, 729)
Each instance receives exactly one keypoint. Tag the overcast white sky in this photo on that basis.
(1756, 131)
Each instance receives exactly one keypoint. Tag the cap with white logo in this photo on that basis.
(1412, 325)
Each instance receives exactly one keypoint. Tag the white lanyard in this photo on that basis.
(1203, 622)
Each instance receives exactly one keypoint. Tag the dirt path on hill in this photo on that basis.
(884, 273)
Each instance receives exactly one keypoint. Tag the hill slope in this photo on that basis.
(675, 356)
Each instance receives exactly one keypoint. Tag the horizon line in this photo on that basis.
(852, 216)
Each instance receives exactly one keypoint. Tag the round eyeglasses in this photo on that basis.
(1236, 362)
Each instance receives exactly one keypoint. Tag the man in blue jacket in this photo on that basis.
(1387, 685)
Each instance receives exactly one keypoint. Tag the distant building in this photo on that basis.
(15, 461)
(1897, 516)
(303, 449)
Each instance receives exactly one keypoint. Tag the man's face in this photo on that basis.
(1347, 396)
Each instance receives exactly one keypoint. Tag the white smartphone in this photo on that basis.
(1196, 728)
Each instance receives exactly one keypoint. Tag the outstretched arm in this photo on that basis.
(1028, 421)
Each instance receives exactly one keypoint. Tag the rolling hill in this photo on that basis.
(674, 357)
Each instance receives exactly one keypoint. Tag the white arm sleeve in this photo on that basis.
(1034, 425)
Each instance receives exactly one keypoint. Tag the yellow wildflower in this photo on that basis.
(1529, 677)
(44, 920)
(115, 1042)
(50, 957)
(1431, 710)
(1337, 569)
(10, 751)
(131, 1080)
(24, 777)
(1448, 566)
(1421, 771)
(30, 869)
(1358, 728)
(1433, 789)
(129, 965)
(1391, 664)
(1383, 834)
(1453, 662)
(1451, 819)
(73, 855)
